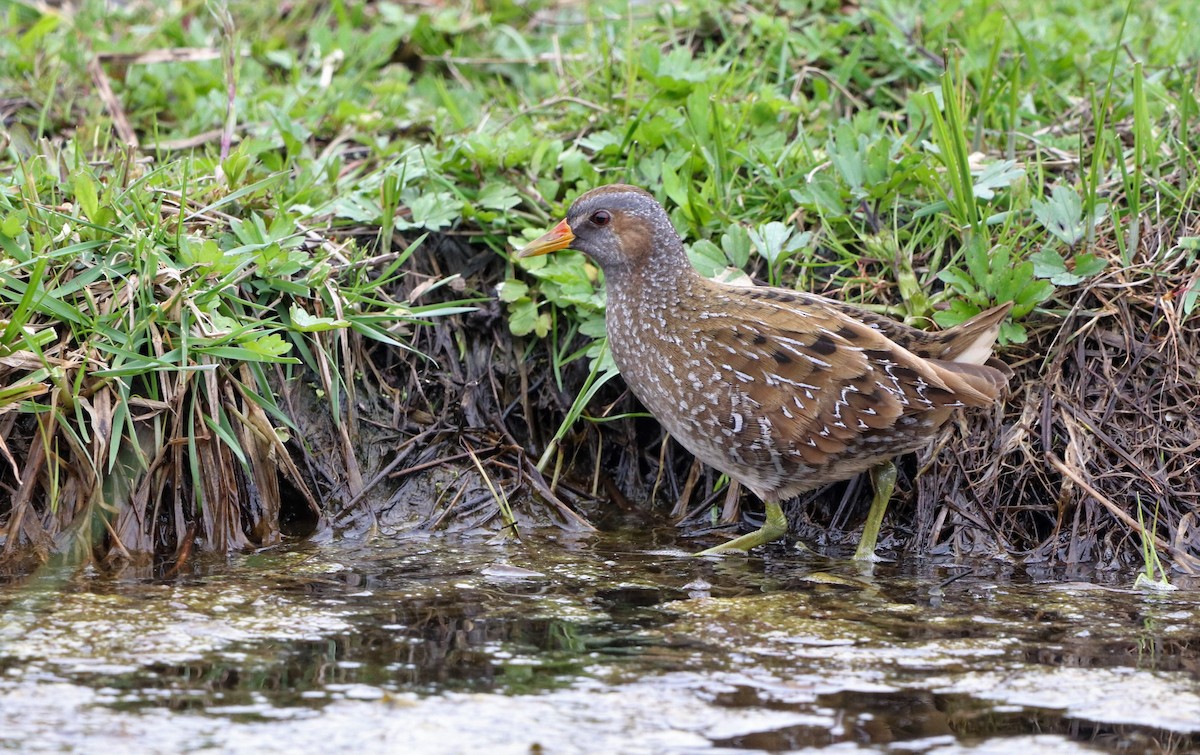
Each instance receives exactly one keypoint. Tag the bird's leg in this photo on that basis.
(774, 528)
(883, 479)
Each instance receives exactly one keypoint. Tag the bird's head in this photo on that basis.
(623, 228)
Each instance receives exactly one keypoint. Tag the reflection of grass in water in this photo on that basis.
(480, 654)
(894, 717)
(1153, 575)
(562, 635)
(397, 633)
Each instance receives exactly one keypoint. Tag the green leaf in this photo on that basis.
(846, 152)
(1087, 265)
(306, 323)
(677, 71)
(225, 433)
(435, 210)
(498, 196)
(1034, 293)
(821, 194)
(271, 344)
(1191, 298)
(736, 244)
(999, 175)
(958, 311)
(1013, 332)
(706, 257)
(979, 261)
(512, 290)
(13, 224)
(603, 143)
(358, 208)
(772, 240)
(1050, 265)
(85, 195)
(674, 186)
(957, 278)
(594, 327)
(1063, 215)
(233, 353)
(576, 167)
(522, 317)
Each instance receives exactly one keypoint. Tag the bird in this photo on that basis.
(784, 391)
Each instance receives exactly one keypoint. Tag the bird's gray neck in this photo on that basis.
(652, 282)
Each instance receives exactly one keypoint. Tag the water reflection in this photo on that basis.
(595, 645)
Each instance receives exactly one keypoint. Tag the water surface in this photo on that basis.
(617, 643)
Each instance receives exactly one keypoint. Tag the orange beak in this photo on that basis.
(556, 239)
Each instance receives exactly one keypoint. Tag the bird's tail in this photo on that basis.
(970, 342)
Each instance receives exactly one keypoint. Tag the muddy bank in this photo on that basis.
(1104, 419)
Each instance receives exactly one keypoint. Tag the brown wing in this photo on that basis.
(820, 380)
(949, 345)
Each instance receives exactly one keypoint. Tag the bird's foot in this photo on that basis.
(774, 528)
(866, 558)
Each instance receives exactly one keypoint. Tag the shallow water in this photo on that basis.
(593, 645)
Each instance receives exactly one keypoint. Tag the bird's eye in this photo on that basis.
(601, 217)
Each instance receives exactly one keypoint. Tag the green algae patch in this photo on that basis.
(780, 630)
(788, 616)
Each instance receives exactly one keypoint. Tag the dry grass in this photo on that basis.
(1103, 421)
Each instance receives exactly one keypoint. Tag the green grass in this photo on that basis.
(924, 159)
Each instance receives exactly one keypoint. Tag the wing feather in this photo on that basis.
(823, 381)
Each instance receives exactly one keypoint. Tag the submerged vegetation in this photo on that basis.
(255, 274)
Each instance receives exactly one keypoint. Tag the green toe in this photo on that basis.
(774, 528)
